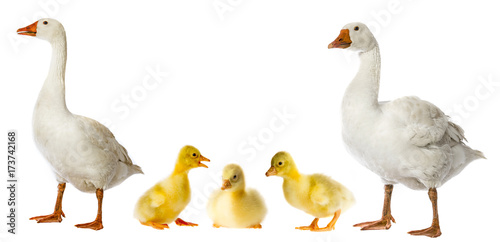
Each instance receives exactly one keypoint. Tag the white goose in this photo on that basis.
(407, 141)
(80, 150)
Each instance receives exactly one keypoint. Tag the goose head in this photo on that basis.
(46, 28)
(282, 165)
(233, 178)
(354, 36)
(190, 157)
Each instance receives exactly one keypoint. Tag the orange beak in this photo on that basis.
(343, 41)
(225, 184)
(28, 30)
(202, 158)
(272, 171)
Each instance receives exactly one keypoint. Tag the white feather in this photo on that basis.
(80, 150)
(407, 140)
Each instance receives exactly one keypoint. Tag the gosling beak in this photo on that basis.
(225, 184)
(203, 158)
(271, 172)
(28, 30)
(343, 41)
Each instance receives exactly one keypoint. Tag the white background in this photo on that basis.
(229, 74)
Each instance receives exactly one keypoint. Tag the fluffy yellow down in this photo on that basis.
(315, 194)
(235, 206)
(163, 202)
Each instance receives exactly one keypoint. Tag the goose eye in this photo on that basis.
(280, 163)
(234, 177)
(45, 22)
(356, 28)
(194, 154)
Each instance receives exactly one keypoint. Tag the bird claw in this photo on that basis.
(323, 229)
(95, 225)
(181, 222)
(51, 218)
(315, 228)
(383, 223)
(312, 227)
(433, 232)
(155, 225)
(309, 227)
(256, 226)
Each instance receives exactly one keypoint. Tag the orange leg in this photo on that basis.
(385, 221)
(56, 216)
(97, 223)
(331, 225)
(155, 225)
(433, 231)
(312, 227)
(181, 222)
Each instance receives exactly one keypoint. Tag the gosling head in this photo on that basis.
(190, 157)
(354, 36)
(46, 28)
(233, 178)
(282, 165)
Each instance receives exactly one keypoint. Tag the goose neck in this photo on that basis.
(181, 168)
(53, 91)
(58, 62)
(364, 88)
(293, 175)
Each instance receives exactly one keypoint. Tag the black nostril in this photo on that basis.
(341, 39)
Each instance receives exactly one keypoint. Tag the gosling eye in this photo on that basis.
(280, 163)
(45, 22)
(194, 154)
(356, 28)
(234, 177)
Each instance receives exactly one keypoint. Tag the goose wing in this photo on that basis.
(423, 123)
(320, 192)
(100, 136)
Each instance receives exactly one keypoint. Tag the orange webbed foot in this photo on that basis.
(309, 227)
(256, 226)
(383, 223)
(331, 225)
(181, 222)
(323, 229)
(312, 227)
(155, 225)
(55, 217)
(95, 225)
(433, 232)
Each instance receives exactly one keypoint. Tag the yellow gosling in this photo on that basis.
(315, 194)
(161, 204)
(235, 206)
